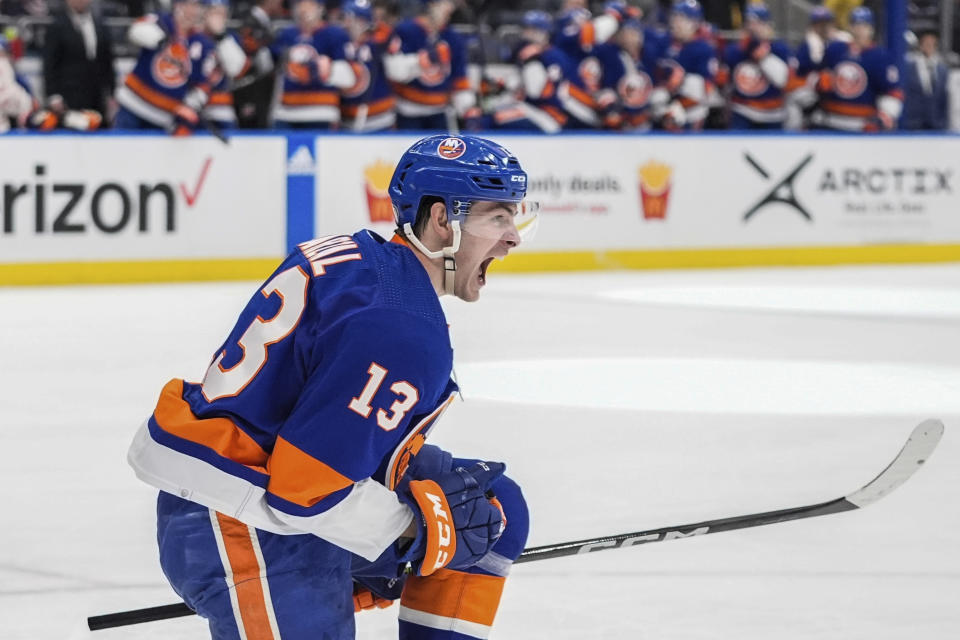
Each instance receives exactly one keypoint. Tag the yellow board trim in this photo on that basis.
(118, 272)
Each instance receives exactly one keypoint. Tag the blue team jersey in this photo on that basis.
(306, 96)
(333, 375)
(443, 66)
(162, 77)
(372, 87)
(852, 81)
(753, 94)
(681, 59)
(624, 98)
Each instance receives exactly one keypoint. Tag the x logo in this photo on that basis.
(781, 192)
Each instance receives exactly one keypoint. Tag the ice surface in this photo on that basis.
(620, 401)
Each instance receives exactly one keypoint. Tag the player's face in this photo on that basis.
(306, 13)
(440, 11)
(760, 30)
(355, 26)
(862, 32)
(682, 27)
(188, 15)
(488, 232)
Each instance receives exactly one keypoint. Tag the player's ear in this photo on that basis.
(438, 220)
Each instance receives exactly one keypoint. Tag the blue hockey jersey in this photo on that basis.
(758, 87)
(163, 76)
(372, 88)
(853, 84)
(441, 68)
(307, 416)
(308, 93)
(624, 98)
(687, 70)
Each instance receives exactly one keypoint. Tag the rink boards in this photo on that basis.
(118, 208)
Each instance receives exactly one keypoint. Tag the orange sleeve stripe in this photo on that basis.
(224, 98)
(461, 84)
(766, 103)
(311, 98)
(151, 96)
(588, 35)
(373, 108)
(421, 97)
(298, 477)
(251, 600)
(582, 96)
(174, 415)
(850, 109)
(453, 594)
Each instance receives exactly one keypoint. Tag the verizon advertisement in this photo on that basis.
(650, 192)
(141, 198)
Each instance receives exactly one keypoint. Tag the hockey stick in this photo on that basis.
(914, 453)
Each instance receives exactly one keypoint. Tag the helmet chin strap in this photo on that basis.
(447, 253)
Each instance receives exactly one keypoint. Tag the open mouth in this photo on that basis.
(482, 277)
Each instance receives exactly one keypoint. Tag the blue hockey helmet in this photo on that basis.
(362, 9)
(861, 15)
(460, 170)
(537, 20)
(821, 14)
(688, 8)
(758, 11)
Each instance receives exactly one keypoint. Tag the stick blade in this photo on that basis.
(915, 452)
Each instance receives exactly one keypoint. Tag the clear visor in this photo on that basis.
(516, 221)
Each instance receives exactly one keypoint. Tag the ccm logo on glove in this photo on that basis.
(441, 543)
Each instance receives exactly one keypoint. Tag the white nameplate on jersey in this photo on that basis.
(329, 250)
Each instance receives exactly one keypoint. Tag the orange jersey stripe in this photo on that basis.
(298, 477)
(766, 103)
(421, 97)
(311, 98)
(582, 96)
(849, 109)
(588, 35)
(465, 596)
(151, 96)
(173, 415)
(224, 98)
(373, 108)
(461, 84)
(244, 564)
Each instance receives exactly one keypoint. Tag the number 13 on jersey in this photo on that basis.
(407, 397)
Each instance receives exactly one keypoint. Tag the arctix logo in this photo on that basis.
(108, 207)
(781, 191)
(643, 539)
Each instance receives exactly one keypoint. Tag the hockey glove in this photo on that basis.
(457, 524)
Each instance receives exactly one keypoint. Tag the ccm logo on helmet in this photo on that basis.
(451, 148)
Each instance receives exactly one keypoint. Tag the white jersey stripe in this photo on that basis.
(444, 623)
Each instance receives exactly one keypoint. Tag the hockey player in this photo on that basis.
(168, 86)
(624, 99)
(758, 71)
(552, 95)
(315, 70)
(685, 72)
(803, 94)
(298, 464)
(369, 104)
(426, 63)
(231, 60)
(859, 86)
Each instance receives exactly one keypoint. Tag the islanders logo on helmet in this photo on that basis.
(451, 148)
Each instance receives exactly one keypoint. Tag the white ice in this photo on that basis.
(620, 401)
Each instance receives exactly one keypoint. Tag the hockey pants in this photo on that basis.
(258, 585)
